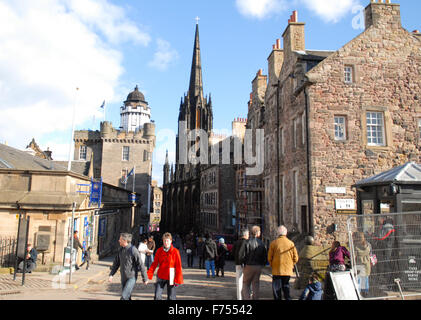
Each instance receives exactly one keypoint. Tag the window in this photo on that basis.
(340, 128)
(82, 152)
(296, 195)
(126, 152)
(146, 155)
(283, 141)
(348, 71)
(375, 129)
(295, 132)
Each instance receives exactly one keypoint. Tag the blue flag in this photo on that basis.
(127, 176)
(102, 105)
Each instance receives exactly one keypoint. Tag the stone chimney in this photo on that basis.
(383, 14)
(275, 61)
(294, 35)
(259, 85)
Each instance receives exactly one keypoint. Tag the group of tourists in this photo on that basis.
(250, 257)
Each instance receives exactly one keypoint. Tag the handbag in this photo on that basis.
(373, 259)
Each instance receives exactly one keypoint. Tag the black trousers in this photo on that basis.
(280, 284)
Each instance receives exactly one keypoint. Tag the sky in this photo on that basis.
(48, 48)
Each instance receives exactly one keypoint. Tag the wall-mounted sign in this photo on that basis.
(345, 204)
(337, 190)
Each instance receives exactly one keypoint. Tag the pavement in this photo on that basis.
(46, 280)
(93, 284)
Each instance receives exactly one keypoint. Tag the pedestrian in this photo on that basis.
(385, 242)
(150, 254)
(238, 254)
(87, 257)
(190, 247)
(130, 263)
(362, 262)
(314, 290)
(337, 255)
(209, 255)
(282, 257)
(76, 246)
(170, 272)
(222, 251)
(143, 250)
(200, 252)
(255, 258)
(31, 260)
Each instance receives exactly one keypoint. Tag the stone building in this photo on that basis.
(116, 152)
(45, 191)
(335, 117)
(156, 206)
(181, 189)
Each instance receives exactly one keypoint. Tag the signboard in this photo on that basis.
(101, 227)
(345, 204)
(96, 192)
(338, 190)
(344, 285)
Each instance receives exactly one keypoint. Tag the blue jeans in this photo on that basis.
(159, 288)
(210, 264)
(127, 287)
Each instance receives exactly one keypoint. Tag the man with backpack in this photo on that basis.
(129, 261)
(209, 255)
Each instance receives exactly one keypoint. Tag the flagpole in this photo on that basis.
(134, 176)
(69, 163)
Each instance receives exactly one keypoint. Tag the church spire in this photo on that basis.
(196, 83)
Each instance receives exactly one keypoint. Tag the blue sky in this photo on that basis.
(107, 47)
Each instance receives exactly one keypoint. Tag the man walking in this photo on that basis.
(170, 273)
(255, 258)
(238, 254)
(282, 257)
(129, 261)
(76, 246)
(209, 254)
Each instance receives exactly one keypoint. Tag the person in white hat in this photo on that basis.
(220, 260)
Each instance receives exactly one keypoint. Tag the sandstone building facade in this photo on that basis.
(114, 153)
(332, 118)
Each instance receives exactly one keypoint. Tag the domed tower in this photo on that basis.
(135, 112)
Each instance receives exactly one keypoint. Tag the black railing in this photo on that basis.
(7, 251)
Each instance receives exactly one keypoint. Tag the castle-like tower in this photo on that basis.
(135, 112)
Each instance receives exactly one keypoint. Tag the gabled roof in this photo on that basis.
(11, 158)
(409, 173)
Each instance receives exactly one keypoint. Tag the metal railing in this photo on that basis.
(7, 251)
(386, 254)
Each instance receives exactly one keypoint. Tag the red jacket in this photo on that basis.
(167, 261)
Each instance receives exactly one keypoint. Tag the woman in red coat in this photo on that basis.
(170, 273)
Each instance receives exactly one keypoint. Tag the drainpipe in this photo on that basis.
(310, 208)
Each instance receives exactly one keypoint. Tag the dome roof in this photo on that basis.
(135, 96)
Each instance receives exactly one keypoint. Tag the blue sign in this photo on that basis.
(101, 227)
(96, 192)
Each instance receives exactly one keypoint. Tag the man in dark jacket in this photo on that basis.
(31, 260)
(129, 261)
(255, 258)
(238, 253)
(76, 246)
(209, 254)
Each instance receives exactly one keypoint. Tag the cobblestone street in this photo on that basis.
(93, 285)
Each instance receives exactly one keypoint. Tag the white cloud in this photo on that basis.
(164, 55)
(50, 47)
(328, 10)
(260, 9)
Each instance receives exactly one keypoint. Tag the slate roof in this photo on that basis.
(12, 158)
(409, 173)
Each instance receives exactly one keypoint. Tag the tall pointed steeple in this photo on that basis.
(196, 82)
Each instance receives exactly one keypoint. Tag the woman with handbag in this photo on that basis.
(363, 262)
